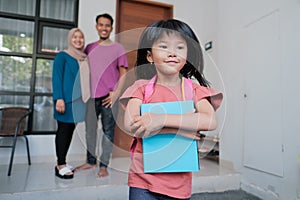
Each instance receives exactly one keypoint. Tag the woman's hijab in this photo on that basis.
(74, 52)
(83, 64)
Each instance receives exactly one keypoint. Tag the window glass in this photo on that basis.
(15, 73)
(57, 9)
(43, 105)
(16, 35)
(14, 100)
(44, 76)
(54, 39)
(43, 114)
(23, 7)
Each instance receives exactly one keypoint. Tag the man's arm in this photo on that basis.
(114, 95)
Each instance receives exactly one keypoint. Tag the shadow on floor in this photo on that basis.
(227, 195)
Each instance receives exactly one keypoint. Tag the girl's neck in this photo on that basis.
(169, 80)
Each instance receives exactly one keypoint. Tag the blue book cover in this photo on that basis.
(169, 152)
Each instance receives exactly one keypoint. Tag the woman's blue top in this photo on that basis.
(66, 86)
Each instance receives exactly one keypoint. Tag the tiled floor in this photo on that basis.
(38, 181)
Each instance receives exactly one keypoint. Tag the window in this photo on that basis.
(31, 33)
(54, 39)
(22, 7)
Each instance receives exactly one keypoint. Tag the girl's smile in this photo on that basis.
(169, 54)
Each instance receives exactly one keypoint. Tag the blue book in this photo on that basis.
(169, 152)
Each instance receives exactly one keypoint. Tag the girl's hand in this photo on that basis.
(60, 106)
(185, 133)
(189, 134)
(147, 124)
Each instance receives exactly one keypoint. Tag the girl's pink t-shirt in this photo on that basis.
(177, 185)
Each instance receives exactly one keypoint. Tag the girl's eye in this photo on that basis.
(180, 47)
(162, 46)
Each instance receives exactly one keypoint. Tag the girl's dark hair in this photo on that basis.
(194, 63)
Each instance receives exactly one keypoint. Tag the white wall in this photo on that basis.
(234, 16)
(222, 22)
(88, 10)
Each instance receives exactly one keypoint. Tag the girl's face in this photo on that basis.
(77, 40)
(168, 53)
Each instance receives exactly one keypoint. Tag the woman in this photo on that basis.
(69, 107)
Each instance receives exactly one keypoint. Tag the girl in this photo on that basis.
(68, 97)
(170, 52)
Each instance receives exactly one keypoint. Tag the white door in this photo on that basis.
(263, 148)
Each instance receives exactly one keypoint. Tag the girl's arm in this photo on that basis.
(203, 119)
(141, 126)
(132, 111)
(150, 123)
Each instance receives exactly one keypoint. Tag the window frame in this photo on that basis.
(40, 32)
(39, 23)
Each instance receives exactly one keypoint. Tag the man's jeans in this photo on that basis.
(94, 109)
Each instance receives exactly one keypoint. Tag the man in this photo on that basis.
(108, 63)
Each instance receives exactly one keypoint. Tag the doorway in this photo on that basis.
(131, 19)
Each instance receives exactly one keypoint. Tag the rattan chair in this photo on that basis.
(12, 124)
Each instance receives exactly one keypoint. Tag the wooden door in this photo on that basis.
(132, 17)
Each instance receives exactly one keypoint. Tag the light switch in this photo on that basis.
(208, 46)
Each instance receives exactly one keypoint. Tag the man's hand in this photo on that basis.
(107, 102)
